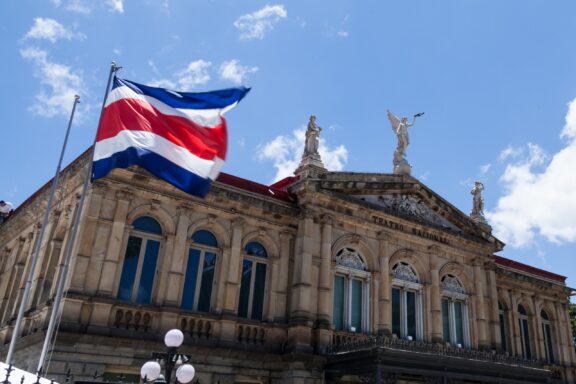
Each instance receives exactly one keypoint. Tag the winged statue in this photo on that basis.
(400, 128)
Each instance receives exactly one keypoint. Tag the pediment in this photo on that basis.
(404, 197)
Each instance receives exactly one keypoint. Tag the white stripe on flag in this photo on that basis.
(147, 140)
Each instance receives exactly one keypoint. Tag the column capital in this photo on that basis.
(327, 219)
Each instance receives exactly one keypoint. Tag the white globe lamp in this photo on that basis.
(174, 338)
(185, 373)
(150, 371)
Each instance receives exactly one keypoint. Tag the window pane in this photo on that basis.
(190, 279)
(147, 224)
(245, 288)
(148, 272)
(459, 323)
(129, 268)
(503, 332)
(338, 310)
(524, 324)
(258, 294)
(445, 320)
(255, 249)
(204, 237)
(549, 351)
(206, 282)
(356, 305)
(396, 311)
(411, 314)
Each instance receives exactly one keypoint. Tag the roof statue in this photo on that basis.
(477, 213)
(311, 162)
(312, 139)
(400, 128)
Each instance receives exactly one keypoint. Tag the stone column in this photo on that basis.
(177, 264)
(565, 331)
(539, 333)
(85, 260)
(301, 316)
(493, 309)
(113, 252)
(479, 278)
(324, 316)
(564, 324)
(384, 290)
(435, 296)
(514, 324)
(234, 268)
(282, 282)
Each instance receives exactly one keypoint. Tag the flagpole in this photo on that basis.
(56, 307)
(36, 255)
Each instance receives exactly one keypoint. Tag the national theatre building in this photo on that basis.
(324, 277)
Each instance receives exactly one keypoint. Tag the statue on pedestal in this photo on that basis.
(312, 138)
(400, 128)
(477, 200)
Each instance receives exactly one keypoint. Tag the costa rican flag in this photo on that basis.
(179, 137)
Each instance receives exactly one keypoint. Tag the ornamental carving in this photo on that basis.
(410, 206)
(403, 271)
(451, 284)
(351, 259)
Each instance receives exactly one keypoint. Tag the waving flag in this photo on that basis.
(180, 137)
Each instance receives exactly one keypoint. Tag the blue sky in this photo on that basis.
(496, 79)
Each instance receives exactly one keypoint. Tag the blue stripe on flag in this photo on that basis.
(155, 164)
(188, 100)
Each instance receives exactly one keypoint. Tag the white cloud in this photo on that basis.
(234, 72)
(50, 29)
(485, 168)
(255, 25)
(342, 33)
(59, 84)
(78, 6)
(539, 194)
(196, 73)
(286, 153)
(509, 152)
(115, 5)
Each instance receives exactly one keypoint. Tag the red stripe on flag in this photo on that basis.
(138, 115)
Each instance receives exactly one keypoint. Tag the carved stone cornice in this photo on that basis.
(123, 194)
(383, 235)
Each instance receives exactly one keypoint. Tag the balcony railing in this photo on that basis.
(349, 342)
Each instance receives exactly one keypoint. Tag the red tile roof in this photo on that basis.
(251, 186)
(527, 268)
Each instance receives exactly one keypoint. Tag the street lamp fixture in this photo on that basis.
(152, 370)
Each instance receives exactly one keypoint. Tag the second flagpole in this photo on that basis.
(56, 310)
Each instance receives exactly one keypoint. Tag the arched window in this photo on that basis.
(253, 284)
(139, 268)
(351, 292)
(197, 293)
(524, 332)
(503, 328)
(547, 331)
(454, 312)
(406, 302)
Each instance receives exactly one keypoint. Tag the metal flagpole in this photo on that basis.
(36, 255)
(56, 307)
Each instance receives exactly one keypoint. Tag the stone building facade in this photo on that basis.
(325, 277)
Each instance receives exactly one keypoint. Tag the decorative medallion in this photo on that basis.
(350, 258)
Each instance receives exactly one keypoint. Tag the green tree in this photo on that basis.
(573, 318)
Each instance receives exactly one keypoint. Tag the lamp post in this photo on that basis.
(151, 370)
